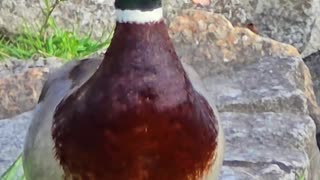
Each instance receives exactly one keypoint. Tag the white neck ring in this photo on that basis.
(138, 16)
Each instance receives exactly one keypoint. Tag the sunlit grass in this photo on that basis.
(15, 172)
(60, 43)
(50, 40)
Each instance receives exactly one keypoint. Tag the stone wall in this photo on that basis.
(294, 22)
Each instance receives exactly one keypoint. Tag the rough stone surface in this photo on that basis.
(291, 21)
(268, 146)
(276, 91)
(294, 22)
(12, 133)
(212, 45)
(314, 43)
(21, 83)
(263, 91)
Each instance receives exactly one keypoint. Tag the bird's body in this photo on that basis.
(38, 157)
(135, 115)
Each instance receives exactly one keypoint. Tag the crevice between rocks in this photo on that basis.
(236, 163)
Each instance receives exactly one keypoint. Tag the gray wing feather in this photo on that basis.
(38, 157)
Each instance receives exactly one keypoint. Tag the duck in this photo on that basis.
(134, 114)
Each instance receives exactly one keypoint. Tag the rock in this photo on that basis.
(259, 146)
(293, 22)
(314, 43)
(21, 83)
(12, 133)
(217, 46)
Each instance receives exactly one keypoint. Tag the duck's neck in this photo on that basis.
(139, 31)
(138, 11)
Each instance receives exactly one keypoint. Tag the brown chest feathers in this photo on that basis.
(138, 117)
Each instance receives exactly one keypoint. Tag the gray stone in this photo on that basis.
(220, 47)
(314, 43)
(12, 133)
(21, 83)
(294, 22)
(269, 146)
(291, 21)
(267, 85)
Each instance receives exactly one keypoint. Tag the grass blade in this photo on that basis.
(15, 171)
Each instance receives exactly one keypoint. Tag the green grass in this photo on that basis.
(15, 171)
(301, 175)
(50, 40)
(60, 43)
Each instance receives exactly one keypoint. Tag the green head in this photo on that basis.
(143, 5)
